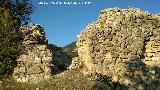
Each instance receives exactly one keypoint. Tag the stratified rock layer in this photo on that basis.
(33, 64)
(123, 44)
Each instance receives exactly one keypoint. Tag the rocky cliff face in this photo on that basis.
(33, 64)
(123, 44)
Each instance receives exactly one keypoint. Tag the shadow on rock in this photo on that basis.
(103, 82)
(60, 59)
(142, 76)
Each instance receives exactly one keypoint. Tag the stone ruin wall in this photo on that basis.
(122, 44)
(152, 53)
(33, 65)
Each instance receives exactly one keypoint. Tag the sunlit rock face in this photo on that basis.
(75, 64)
(33, 64)
(123, 44)
(34, 34)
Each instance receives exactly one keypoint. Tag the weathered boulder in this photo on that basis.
(123, 44)
(33, 65)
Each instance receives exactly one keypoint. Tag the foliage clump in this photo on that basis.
(20, 9)
(104, 82)
(13, 13)
(10, 38)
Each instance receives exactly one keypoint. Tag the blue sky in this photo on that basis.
(63, 23)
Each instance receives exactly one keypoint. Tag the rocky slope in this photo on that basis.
(123, 44)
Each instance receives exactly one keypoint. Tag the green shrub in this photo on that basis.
(106, 83)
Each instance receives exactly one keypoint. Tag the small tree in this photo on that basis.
(13, 13)
(10, 42)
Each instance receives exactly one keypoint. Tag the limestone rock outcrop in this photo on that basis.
(123, 44)
(33, 65)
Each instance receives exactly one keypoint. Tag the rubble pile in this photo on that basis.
(123, 44)
(33, 65)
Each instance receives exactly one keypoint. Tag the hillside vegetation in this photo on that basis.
(71, 49)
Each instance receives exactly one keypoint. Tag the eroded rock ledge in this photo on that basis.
(123, 44)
